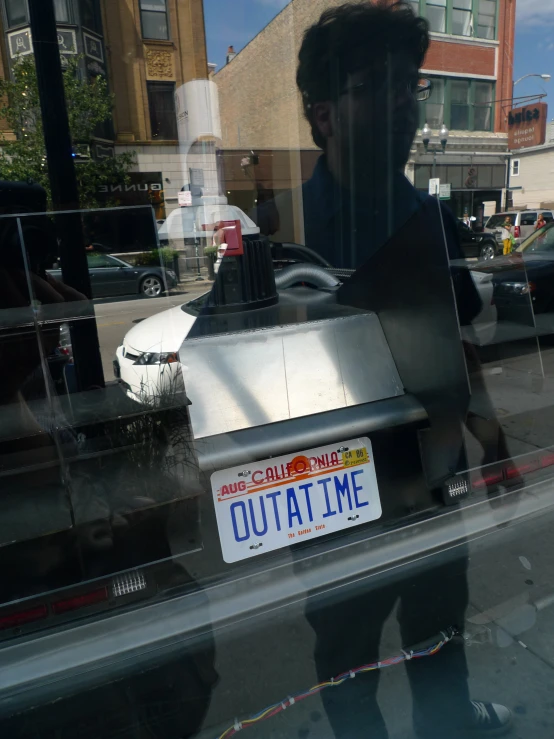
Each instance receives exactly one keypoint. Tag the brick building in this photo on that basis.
(148, 50)
(470, 62)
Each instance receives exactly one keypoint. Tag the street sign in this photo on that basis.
(527, 126)
(434, 185)
(184, 198)
(444, 191)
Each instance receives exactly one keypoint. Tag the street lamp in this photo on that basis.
(545, 77)
(426, 134)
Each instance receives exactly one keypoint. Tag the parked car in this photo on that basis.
(525, 278)
(148, 361)
(522, 221)
(111, 276)
(481, 245)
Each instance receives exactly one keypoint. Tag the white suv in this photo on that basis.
(523, 222)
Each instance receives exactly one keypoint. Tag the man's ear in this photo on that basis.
(323, 118)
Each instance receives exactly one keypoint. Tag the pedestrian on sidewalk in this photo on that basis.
(540, 222)
(508, 240)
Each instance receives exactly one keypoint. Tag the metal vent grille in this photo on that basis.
(131, 582)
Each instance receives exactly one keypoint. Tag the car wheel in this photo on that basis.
(151, 287)
(488, 251)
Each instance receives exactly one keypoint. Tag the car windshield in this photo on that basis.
(540, 241)
(498, 219)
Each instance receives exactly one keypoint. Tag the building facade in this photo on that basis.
(469, 61)
(148, 50)
(532, 175)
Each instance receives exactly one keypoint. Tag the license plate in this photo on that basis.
(285, 500)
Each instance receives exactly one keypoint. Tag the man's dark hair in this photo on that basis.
(350, 37)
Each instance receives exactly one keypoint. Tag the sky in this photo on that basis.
(236, 22)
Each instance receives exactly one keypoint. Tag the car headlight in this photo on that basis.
(154, 358)
(171, 273)
(518, 288)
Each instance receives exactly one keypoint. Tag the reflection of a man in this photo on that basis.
(359, 81)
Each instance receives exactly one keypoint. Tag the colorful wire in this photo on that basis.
(334, 682)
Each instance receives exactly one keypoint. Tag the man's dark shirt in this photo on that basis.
(348, 231)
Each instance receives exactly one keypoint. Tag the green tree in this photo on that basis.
(22, 149)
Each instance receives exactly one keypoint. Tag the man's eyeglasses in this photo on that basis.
(421, 89)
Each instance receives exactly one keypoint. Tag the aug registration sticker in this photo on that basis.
(272, 504)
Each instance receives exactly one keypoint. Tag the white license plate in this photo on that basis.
(268, 505)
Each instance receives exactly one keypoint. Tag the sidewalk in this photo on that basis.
(192, 276)
(515, 665)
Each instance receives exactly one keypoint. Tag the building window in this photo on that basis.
(459, 105)
(462, 18)
(459, 17)
(153, 16)
(17, 12)
(515, 167)
(61, 10)
(486, 19)
(161, 101)
(463, 105)
(433, 109)
(483, 106)
(436, 15)
(90, 15)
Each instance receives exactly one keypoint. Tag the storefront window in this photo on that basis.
(276, 373)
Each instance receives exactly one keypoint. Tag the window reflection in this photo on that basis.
(16, 11)
(459, 106)
(161, 102)
(154, 19)
(90, 15)
(436, 15)
(462, 17)
(270, 296)
(486, 19)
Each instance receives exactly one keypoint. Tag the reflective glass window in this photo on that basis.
(459, 105)
(436, 15)
(483, 110)
(462, 17)
(17, 12)
(162, 110)
(486, 19)
(154, 19)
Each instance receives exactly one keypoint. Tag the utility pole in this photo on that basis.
(63, 183)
